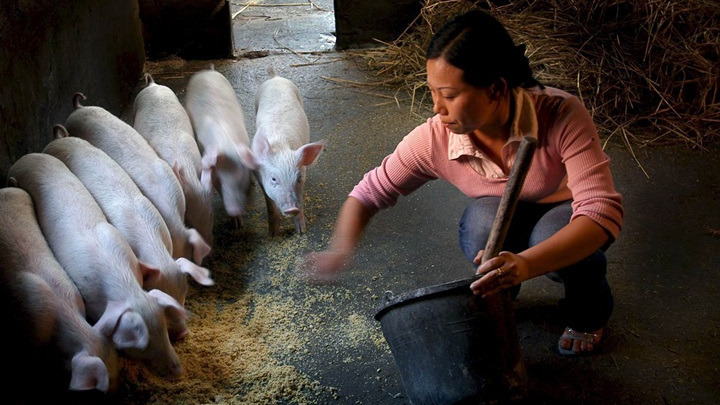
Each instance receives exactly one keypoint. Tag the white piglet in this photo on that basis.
(26, 258)
(219, 124)
(282, 150)
(100, 263)
(126, 208)
(153, 176)
(163, 122)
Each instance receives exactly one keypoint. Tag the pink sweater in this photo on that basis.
(569, 162)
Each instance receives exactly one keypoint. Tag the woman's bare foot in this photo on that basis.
(573, 342)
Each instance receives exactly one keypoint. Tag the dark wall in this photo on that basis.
(54, 48)
(198, 29)
(358, 23)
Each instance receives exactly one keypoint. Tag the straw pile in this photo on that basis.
(648, 71)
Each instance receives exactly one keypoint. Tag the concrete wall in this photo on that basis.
(54, 48)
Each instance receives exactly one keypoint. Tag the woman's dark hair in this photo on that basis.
(481, 47)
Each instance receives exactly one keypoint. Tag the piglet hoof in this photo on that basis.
(274, 226)
(274, 229)
(300, 227)
(299, 222)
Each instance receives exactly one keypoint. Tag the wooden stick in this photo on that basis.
(509, 199)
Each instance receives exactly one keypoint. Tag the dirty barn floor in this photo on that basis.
(262, 336)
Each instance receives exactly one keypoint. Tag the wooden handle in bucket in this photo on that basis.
(509, 199)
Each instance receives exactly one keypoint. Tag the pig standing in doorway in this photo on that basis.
(282, 150)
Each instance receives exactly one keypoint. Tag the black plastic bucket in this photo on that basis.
(452, 347)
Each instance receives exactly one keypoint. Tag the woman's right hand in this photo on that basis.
(322, 267)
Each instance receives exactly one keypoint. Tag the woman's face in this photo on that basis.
(462, 108)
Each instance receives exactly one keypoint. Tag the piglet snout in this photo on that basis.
(176, 370)
(234, 211)
(291, 212)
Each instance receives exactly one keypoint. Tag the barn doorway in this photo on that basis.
(264, 27)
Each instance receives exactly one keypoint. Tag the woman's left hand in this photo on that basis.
(502, 271)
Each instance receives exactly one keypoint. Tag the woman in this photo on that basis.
(485, 100)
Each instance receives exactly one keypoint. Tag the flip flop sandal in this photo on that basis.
(572, 334)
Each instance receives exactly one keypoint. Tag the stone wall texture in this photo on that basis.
(53, 49)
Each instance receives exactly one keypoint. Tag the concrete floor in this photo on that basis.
(661, 346)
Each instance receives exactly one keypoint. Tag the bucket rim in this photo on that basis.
(390, 300)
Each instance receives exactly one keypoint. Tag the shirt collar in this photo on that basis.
(525, 120)
(524, 123)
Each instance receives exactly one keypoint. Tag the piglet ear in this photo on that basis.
(175, 313)
(166, 301)
(246, 156)
(260, 146)
(131, 332)
(88, 372)
(125, 328)
(110, 318)
(307, 154)
(149, 273)
(200, 274)
(200, 247)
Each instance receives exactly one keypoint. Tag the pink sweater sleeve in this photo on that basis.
(400, 173)
(588, 168)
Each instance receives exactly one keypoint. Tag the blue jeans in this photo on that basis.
(588, 301)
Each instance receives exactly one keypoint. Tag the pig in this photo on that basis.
(100, 263)
(219, 124)
(25, 255)
(29, 321)
(31, 301)
(153, 176)
(137, 219)
(160, 118)
(282, 149)
(29, 318)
